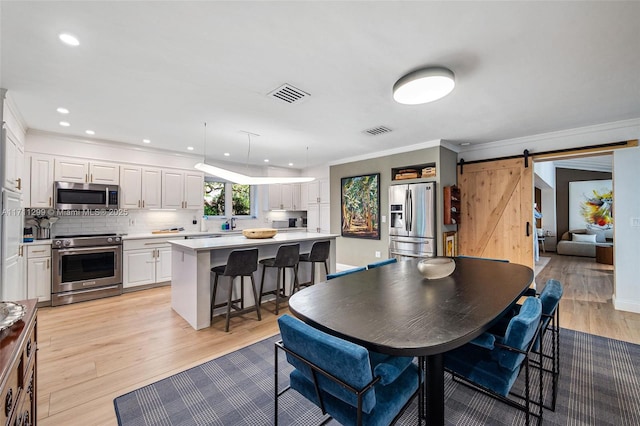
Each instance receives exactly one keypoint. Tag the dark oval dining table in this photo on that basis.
(394, 310)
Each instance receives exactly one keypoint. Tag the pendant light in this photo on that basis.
(239, 178)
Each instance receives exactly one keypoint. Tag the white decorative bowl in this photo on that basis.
(436, 267)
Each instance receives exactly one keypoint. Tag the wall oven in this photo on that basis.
(85, 267)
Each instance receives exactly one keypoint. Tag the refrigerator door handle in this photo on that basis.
(406, 210)
(410, 210)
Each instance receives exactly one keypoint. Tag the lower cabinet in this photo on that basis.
(146, 262)
(18, 367)
(39, 272)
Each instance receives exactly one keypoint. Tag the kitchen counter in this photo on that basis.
(192, 260)
(216, 233)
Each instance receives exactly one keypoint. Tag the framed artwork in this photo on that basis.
(450, 243)
(591, 205)
(360, 206)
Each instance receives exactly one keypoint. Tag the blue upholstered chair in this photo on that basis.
(347, 272)
(550, 298)
(349, 383)
(492, 363)
(382, 263)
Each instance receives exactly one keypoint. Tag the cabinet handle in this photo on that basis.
(8, 402)
(47, 263)
(139, 203)
(19, 183)
(91, 177)
(86, 177)
(49, 201)
(38, 251)
(142, 203)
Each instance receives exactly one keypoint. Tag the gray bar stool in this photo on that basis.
(240, 263)
(286, 257)
(319, 253)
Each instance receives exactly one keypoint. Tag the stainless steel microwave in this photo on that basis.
(85, 196)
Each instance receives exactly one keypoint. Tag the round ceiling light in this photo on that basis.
(69, 39)
(424, 85)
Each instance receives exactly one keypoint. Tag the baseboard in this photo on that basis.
(626, 305)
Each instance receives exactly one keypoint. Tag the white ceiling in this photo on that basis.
(159, 70)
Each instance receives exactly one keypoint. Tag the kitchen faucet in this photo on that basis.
(232, 223)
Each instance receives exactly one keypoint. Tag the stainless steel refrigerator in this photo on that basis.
(412, 220)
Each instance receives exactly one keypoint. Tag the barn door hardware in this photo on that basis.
(526, 158)
(461, 166)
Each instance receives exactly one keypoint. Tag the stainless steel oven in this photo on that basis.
(85, 267)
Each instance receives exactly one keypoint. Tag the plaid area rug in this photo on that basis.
(599, 385)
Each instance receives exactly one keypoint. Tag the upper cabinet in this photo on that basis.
(318, 191)
(82, 171)
(285, 196)
(182, 189)
(42, 178)
(13, 156)
(140, 187)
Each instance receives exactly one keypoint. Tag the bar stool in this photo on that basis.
(286, 257)
(240, 263)
(319, 253)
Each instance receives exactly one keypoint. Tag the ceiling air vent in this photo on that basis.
(375, 131)
(289, 94)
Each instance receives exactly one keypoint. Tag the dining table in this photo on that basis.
(395, 310)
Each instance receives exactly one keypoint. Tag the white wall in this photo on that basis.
(626, 175)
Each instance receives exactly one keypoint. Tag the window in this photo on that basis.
(225, 199)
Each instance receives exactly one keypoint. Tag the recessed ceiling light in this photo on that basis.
(63, 110)
(146, 141)
(65, 124)
(465, 144)
(90, 132)
(290, 164)
(69, 39)
(266, 160)
(226, 154)
(190, 148)
(424, 85)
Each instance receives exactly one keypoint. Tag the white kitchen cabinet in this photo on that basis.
(304, 196)
(83, 171)
(318, 207)
(318, 191)
(41, 181)
(140, 187)
(182, 190)
(284, 196)
(12, 277)
(146, 261)
(39, 272)
(13, 155)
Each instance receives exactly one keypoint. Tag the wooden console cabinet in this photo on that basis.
(18, 369)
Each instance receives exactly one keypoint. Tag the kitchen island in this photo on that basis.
(192, 260)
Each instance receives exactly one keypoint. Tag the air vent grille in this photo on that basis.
(375, 131)
(289, 94)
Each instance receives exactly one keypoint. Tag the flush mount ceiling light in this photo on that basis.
(239, 177)
(424, 85)
(69, 39)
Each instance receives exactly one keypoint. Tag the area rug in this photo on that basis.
(599, 385)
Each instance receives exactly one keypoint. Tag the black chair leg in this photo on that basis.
(261, 285)
(326, 269)
(255, 297)
(226, 326)
(278, 289)
(213, 294)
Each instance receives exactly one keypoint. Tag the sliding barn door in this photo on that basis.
(497, 210)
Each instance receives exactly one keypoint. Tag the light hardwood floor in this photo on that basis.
(92, 352)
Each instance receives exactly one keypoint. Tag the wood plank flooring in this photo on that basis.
(89, 353)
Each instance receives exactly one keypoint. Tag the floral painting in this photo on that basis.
(591, 204)
(360, 205)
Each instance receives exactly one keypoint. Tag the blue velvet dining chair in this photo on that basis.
(492, 363)
(382, 263)
(550, 321)
(346, 272)
(349, 383)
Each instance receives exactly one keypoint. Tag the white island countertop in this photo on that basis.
(240, 241)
